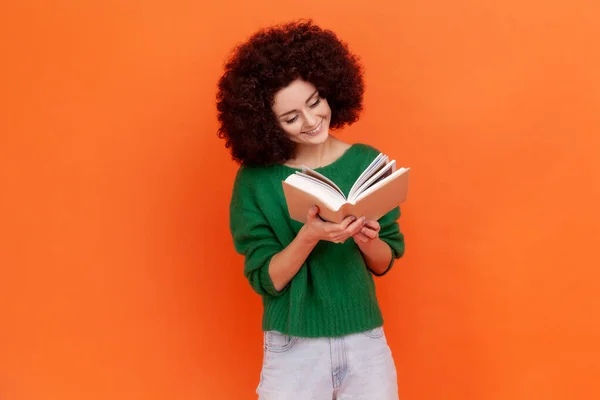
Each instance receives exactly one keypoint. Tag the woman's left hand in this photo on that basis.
(368, 233)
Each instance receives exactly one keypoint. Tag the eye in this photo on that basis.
(291, 121)
(316, 103)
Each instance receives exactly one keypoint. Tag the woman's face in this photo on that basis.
(303, 115)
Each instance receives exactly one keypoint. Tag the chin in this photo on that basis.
(320, 138)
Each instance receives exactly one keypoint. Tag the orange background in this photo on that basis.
(119, 279)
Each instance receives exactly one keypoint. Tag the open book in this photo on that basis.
(378, 190)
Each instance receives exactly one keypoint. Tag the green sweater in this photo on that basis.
(333, 293)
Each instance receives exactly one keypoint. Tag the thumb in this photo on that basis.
(312, 213)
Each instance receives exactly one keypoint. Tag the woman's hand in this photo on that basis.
(316, 229)
(376, 252)
(369, 232)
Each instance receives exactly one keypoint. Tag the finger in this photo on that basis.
(351, 230)
(312, 213)
(346, 222)
(336, 234)
(355, 227)
(337, 238)
(373, 225)
(361, 238)
(372, 234)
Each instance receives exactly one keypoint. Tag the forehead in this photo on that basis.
(293, 96)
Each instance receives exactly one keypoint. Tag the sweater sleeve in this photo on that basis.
(252, 236)
(390, 233)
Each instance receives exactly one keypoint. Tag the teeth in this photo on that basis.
(315, 130)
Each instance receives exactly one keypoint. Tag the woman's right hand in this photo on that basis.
(315, 229)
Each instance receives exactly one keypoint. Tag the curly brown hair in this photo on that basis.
(270, 60)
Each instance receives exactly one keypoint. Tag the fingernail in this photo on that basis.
(352, 218)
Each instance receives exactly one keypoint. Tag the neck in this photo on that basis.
(314, 155)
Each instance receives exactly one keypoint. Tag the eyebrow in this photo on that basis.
(293, 111)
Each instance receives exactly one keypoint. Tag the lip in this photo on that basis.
(314, 132)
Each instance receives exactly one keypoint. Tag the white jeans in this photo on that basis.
(353, 367)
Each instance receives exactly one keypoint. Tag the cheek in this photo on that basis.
(324, 109)
(291, 129)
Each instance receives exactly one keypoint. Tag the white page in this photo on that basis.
(380, 183)
(307, 170)
(322, 184)
(387, 169)
(318, 189)
(375, 164)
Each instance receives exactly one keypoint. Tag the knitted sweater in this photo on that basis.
(333, 293)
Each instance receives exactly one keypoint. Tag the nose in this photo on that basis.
(310, 120)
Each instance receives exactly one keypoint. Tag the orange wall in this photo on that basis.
(118, 276)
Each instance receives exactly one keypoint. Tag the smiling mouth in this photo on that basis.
(316, 130)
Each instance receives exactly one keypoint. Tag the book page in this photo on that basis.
(383, 173)
(381, 183)
(322, 178)
(322, 184)
(299, 201)
(375, 165)
(382, 197)
(316, 188)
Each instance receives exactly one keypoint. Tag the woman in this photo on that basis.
(282, 92)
